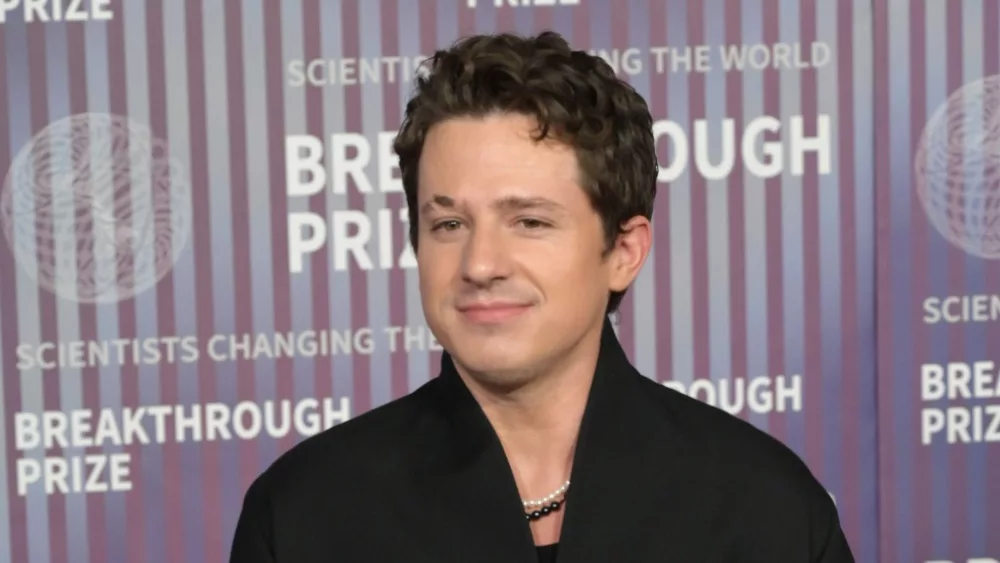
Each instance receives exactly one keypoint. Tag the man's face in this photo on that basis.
(512, 275)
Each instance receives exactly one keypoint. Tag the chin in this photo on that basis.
(496, 367)
(482, 360)
(495, 354)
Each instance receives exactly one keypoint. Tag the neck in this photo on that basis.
(538, 423)
(539, 431)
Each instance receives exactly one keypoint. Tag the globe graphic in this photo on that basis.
(95, 209)
(957, 168)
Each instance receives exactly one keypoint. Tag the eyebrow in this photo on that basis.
(437, 201)
(509, 203)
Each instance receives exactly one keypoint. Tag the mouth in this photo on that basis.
(492, 313)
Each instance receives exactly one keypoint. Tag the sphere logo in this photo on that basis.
(957, 168)
(95, 209)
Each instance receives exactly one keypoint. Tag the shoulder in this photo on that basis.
(775, 501)
(747, 461)
(299, 501)
(352, 454)
(725, 444)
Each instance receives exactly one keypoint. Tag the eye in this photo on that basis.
(532, 223)
(446, 225)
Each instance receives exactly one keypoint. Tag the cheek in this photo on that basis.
(566, 271)
(435, 270)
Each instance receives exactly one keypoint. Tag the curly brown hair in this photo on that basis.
(575, 98)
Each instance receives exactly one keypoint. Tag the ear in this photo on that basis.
(629, 253)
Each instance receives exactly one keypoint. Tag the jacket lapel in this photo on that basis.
(618, 508)
(474, 511)
(623, 455)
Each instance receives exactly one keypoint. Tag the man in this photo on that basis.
(530, 173)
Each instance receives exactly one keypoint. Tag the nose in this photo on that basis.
(484, 258)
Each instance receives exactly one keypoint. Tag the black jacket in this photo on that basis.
(657, 477)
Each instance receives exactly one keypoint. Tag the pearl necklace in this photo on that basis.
(547, 504)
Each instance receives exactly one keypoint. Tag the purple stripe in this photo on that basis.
(280, 275)
(791, 429)
(17, 512)
(201, 245)
(922, 460)
(182, 497)
(505, 19)
(466, 27)
(975, 477)
(737, 227)
(78, 103)
(525, 19)
(312, 39)
(45, 239)
(362, 400)
(428, 43)
(901, 244)
(935, 254)
(813, 337)
(242, 272)
(581, 25)
(620, 40)
(851, 444)
(991, 67)
(392, 116)
(544, 18)
(659, 93)
(115, 518)
(487, 18)
(173, 470)
(773, 237)
(957, 510)
(699, 208)
(429, 27)
(134, 508)
(260, 25)
(562, 21)
(884, 331)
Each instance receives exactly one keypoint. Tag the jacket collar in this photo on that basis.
(613, 471)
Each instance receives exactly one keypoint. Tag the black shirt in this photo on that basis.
(547, 553)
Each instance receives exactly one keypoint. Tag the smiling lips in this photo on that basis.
(492, 312)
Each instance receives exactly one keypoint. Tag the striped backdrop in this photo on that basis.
(749, 277)
(939, 501)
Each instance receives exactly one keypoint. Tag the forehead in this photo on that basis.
(486, 155)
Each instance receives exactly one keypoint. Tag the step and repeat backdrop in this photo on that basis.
(203, 256)
(937, 177)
